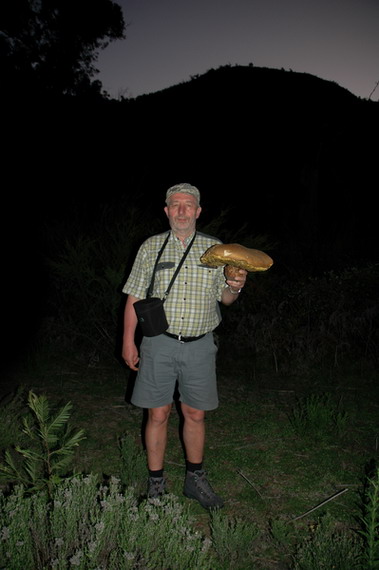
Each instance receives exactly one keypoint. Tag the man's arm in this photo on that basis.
(129, 349)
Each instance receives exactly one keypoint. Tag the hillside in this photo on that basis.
(286, 154)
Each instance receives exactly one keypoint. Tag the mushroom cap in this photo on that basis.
(236, 255)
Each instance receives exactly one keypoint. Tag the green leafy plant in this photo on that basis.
(328, 547)
(133, 471)
(87, 269)
(12, 409)
(233, 540)
(51, 447)
(282, 536)
(294, 323)
(370, 523)
(318, 415)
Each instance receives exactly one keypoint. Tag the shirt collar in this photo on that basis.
(186, 242)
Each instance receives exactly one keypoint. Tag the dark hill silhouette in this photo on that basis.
(288, 153)
(285, 153)
(261, 84)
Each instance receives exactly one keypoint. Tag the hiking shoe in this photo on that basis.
(156, 487)
(196, 486)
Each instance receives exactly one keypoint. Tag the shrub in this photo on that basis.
(90, 525)
(318, 416)
(328, 547)
(133, 472)
(51, 444)
(295, 324)
(233, 541)
(12, 410)
(370, 522)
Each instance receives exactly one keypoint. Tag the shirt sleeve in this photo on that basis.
(138, 280)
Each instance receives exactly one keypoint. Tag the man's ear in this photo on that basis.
(166, 210)
(198, 212)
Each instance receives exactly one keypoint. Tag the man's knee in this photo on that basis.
(193, 414)
(159, 416)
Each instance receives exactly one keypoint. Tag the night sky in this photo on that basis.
(168, 41)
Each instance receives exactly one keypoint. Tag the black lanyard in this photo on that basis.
(150, 289)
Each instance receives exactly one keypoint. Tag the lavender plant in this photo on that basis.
(88, 525)
(233, 541)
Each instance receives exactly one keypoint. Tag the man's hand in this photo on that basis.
(129, 349)
(235, 281)
(130, 356)
(235, 277)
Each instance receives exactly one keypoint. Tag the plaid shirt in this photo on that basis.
(192, 305)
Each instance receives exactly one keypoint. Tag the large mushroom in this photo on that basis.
(235, 257)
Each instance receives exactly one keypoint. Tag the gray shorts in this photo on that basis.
(164, 361)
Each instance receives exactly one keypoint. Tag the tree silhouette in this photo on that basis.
(51, 46)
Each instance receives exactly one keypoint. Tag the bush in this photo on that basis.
(90, 525)
(133, 471)
(48, 450)
(233, 541)
(295, 324)
(370, 522)
(318, 416)
(327, 547)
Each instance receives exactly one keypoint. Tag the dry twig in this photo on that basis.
(250, 483)
(320, 505)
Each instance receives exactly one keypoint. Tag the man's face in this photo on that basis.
(182, 212)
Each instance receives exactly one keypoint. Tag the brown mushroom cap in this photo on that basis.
(236, 255)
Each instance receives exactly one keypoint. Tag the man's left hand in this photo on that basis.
(235, 277)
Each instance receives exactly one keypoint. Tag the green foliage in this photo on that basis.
(318, 416)
(133, 464)
(51, 445)
(12, 409)
(85, 523)
(282, 536)
(233, 540)
(328, 547)
(89, 526)
(87, 272)
(370, 523)
(295, 324)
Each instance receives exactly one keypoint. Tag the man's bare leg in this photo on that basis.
(196, 485)
(193, 433)
(156, 436)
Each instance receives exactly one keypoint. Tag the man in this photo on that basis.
(186, 353)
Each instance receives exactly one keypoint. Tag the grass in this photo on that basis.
(266, 454)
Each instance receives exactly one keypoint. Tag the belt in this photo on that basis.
(181, 338)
